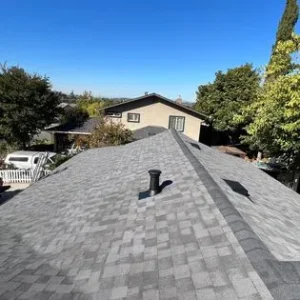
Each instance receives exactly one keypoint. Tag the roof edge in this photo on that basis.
(70, 132)
(201, 115)
(258, 253)
(220, 198)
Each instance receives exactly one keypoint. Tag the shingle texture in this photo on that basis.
(82, 233)
(272, 210)
(147, 131)
(86, 127)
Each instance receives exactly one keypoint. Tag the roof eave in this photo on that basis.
(70, 132)
(202, 116)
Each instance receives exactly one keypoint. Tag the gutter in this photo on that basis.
(70, 132)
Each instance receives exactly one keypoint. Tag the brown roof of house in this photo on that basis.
(167, 101)
(232, 151)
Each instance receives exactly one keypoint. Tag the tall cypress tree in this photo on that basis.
(286, 25)
(288, 21)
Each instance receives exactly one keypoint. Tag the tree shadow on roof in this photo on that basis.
(7, 195)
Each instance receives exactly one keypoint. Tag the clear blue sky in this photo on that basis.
(127, 47)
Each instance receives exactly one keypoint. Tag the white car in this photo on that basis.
(26, 159)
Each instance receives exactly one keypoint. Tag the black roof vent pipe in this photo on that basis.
(154, 187)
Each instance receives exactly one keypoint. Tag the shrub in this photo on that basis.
(58, 160)
(109, 133)
(5, 149)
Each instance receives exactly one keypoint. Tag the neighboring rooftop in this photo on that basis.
(222, 230)
(74, 128)
(165, 100)
(147, 131)
(231, 150)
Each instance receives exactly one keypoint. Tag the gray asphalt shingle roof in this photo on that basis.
(85, 128)
(82, 233)
(147, 131)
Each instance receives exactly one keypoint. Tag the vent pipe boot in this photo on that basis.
(154, 188)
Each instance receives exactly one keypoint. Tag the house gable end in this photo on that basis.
(149, 100)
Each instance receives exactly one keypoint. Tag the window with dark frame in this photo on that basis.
(133, 117)
(19, 158)
(177, 122)
(114, 114)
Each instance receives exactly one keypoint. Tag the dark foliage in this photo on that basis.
(27, 104)
(223, 99)
(74, 115)
(285, 32)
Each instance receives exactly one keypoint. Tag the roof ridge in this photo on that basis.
(168, 101)
(220, 198)
(254, 248)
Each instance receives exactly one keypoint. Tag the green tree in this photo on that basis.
(275, 124)
(284, 33)
(94, 108)
(27, 104)
(225, 97)
(72, 95)
(288, 22)
(92, 105)
(74, 115)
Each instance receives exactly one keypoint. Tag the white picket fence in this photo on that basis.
(16, 176)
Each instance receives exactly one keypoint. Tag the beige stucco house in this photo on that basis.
(156, 110)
